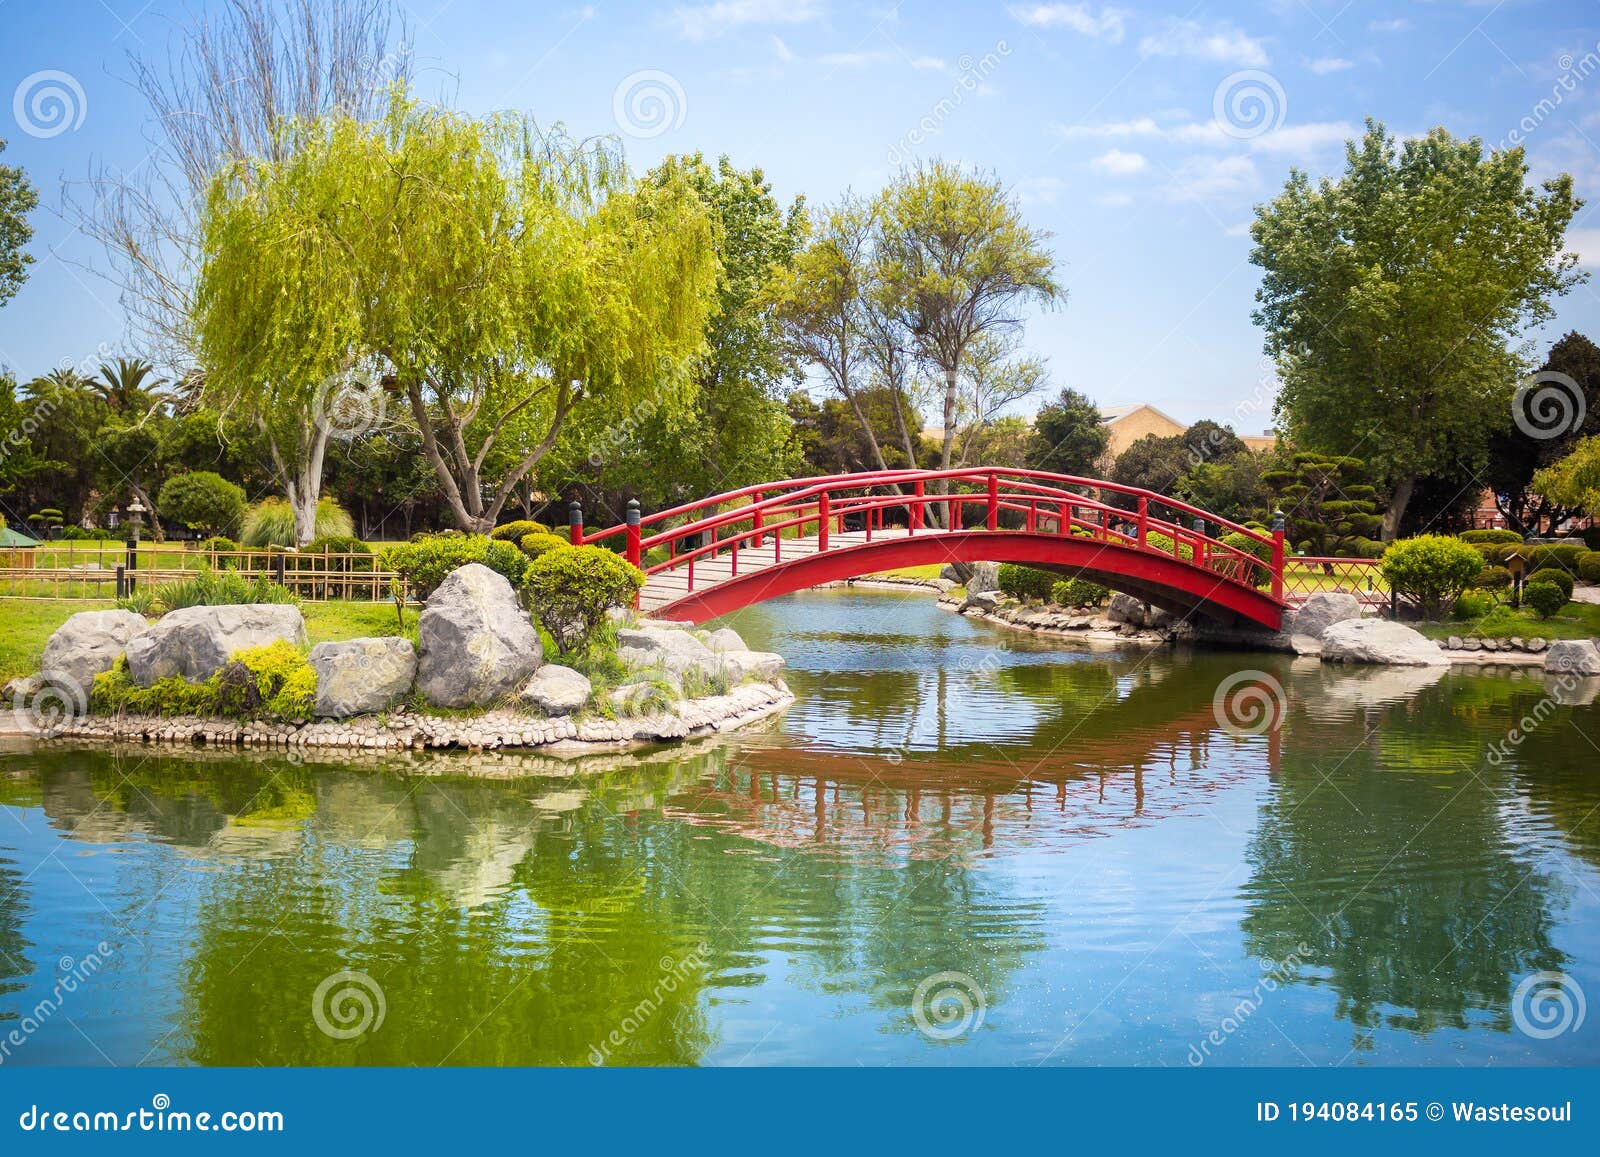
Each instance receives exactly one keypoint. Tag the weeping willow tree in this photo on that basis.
(495, 277)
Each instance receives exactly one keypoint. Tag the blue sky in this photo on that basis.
(1140, 135)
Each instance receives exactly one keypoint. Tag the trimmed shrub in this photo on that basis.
(1591, 537)
(1078, 592)
(270, 522)
(1163, 543)
(1261, 575)
(1555, 577)
(424, 562)
(1494, 578)
(1431, 571)
(86, 534)
(202, 500)
(1589, 566)
(518, 530)
(1024, 582)
(1473, 605)
(541, 542)
(1497, 553)
(1545, 598)
(569, 592)
(274, 682)
(220, 543)
(339, 544)
(1499, 537)
(1563, 557)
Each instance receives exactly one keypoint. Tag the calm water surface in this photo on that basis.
(959, 847)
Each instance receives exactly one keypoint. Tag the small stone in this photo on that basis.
(557, 690)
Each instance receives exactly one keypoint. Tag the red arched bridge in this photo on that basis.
(722, 553)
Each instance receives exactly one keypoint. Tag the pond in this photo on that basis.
(960, 846)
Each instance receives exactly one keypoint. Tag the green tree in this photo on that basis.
(1392, 300)
(18, 198)
(1329, 504)
(954, 260)
(1575, 480)
(130, 388)
(1528, 446)
(203, 501)
(1068, 436)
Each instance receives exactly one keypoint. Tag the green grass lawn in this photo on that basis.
(1573, 621)
(930, 571)
(28, 624)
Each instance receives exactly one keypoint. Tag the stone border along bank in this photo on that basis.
(478, 650)
(1329, 625)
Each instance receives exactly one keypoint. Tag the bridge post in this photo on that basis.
(993, 521)
(633, 531)
(575, 522)
(916, 507)
(822, 521)
(1144, 519)
(756, 524)
(1277, 555)
(1200, 540)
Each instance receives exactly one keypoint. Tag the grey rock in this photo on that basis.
(982, 600)
(1379, 641)
(1453, 643)
(1573, 657)
(87, 644)
(477, 644)
(362, 676)
(195, 642)
(1471, 644)
(985, 577)
(1536, 645)
(557, 690)
(677, 651)
(742, 665)
(725, 639)
(1305, 644)
(1321, 611)
(1125, 609)
(23, 688)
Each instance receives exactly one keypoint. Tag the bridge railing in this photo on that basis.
(923, 501)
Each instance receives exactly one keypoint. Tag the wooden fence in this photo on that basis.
(109, 570)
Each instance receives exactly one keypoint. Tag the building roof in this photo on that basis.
(1112, 414)
(15, 540)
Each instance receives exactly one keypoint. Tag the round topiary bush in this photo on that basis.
(1555, 577)
(202, 500)
(1563, 556)
(1473, 605)
(1498, 537)
(1589, 566)
(1253, 547)
(518, 530)
(541, 542)
(424, 563)
(1494, 578)
(569, 591)
(1024, 582)
(1431, 571)
(341, 545)
(220, 544)
(1544, 598)
(1078, 592)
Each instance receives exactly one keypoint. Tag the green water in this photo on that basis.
(960, 846)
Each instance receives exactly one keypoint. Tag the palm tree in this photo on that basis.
(128, 387)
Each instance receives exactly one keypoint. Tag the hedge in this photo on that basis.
(1024, 582)
(424, 562)
(1497, 537)
(1555, 577)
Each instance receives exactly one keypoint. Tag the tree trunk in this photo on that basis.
(1398, 501)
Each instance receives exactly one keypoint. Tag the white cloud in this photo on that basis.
(1114, 200)
(1119, 164)
(1398, 24)
(1322, 66)
(707, 21)
(1202, 177)
(1039, 190)
(785, 53)
(1143, 127)
(1302, 140)
(1223, 44)
(1080, 18)
(927, 64)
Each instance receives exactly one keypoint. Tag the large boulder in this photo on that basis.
(1125, 609)
(477, 643)
(1321, 611)
(725, 639)
(985, 601)
(985, 577)
(1380, 641)
(1573, 657)
(87, 644)
(195, 642)
(762, 665)
(670, 650)
(557, 690)
(362, 676)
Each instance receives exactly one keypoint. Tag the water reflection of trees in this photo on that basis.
(1395, 882)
